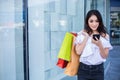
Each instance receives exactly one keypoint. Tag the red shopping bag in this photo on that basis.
(62, 63)
(73, 33)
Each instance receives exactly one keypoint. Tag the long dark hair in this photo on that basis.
(101, 28)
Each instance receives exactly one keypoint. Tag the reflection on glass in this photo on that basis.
(11, 40)
(115, 27)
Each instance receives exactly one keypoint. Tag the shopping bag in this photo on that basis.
(73, 64)
(65, 49)
(74, 34)
(61, 63)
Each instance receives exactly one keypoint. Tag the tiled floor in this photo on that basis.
(112, 65)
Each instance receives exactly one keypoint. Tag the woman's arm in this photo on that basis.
(80, 46)
(103, 51)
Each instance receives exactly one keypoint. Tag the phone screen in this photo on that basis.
(96, 36)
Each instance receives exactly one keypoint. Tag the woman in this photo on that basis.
(93, 51)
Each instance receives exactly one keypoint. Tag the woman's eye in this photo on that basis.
(91, 21)
(97, 21)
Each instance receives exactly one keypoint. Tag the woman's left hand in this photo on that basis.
(97, 41)
(103, 51)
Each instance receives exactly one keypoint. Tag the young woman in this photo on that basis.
(93, 51)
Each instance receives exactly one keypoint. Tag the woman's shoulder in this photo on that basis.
(81, 31)
(105, 35)
(80, 34)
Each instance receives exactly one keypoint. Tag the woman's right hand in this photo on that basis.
(85, 34)
(80, 46)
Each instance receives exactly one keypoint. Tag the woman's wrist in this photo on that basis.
(86, 38)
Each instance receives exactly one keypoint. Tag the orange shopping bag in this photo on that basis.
(73, 64)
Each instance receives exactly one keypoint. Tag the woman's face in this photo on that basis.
(93, 22)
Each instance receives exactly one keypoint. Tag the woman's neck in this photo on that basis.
(95, 32)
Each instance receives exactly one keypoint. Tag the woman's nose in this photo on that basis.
(94, 23)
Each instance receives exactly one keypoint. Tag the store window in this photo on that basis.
(11, 40)
(115, 27)
(115, 22)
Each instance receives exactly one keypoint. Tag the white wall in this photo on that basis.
(49, 20)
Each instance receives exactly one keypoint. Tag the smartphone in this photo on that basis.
(96, 36)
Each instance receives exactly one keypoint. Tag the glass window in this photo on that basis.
(11, 40)
(115, 22)
(115, 27)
